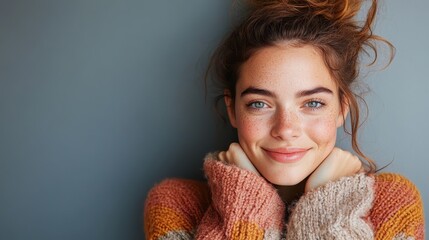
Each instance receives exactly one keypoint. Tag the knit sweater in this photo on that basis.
(238, 204)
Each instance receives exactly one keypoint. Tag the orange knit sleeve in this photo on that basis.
(174, 208)
(397, 211)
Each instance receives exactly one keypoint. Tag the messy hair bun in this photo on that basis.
(341, 14)
(328, 25)
(331, 9)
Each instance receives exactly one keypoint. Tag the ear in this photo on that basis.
(229, 102)
(343, 113)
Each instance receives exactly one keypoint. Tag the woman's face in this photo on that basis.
(286, 112)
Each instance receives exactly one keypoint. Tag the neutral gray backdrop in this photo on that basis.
(99, 100)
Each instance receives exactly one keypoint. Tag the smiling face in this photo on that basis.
(286, 111)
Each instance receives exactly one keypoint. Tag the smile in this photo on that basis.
(289, 155)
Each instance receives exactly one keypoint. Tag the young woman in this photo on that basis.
(286, 74)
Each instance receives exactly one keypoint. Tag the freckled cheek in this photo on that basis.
(251, 129)
(322, 131)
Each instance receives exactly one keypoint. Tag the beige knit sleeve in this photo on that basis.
(334, 211)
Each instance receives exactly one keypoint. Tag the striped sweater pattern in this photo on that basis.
(237, 204)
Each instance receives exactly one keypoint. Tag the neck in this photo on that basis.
(290, 194)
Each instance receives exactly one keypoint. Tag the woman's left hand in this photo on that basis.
(337, 164)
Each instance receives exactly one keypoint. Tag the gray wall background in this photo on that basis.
(99, 100)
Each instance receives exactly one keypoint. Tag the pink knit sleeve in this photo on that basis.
(244, 205)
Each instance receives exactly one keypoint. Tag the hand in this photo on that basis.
(337, 164)
(236, 156)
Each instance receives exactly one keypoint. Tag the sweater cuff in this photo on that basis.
(239, 195)
(334, 211)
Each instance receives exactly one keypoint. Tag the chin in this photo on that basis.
(282, 181)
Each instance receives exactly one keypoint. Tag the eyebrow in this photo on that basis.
(264, 92)
(314, 91)
(258, 91)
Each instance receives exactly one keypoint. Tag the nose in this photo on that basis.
(286, 125)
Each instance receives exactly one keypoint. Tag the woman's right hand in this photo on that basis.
(235, 155)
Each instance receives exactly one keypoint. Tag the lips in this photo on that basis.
(286, 155)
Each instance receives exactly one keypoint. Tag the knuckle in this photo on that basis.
(221, 156)
(233, 146)
(339, 150)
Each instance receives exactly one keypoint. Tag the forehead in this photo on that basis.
(285, 67)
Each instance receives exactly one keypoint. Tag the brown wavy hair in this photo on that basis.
(328, 25)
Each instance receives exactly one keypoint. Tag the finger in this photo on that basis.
(234, 153)
(237, 155)
(357, 164)
(222, 156)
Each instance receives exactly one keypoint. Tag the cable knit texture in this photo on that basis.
(334, 211)
(238, 204)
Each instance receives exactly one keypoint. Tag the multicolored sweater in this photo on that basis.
(238, 204)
